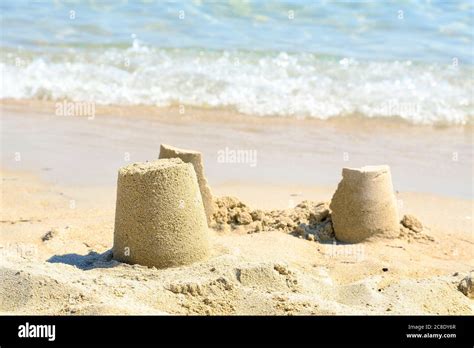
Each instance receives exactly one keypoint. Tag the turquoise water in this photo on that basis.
(409, 59)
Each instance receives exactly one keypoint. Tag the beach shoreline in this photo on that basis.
(179, 112)
(82, 150)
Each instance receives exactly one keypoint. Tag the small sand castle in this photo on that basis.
(160, 219)
(195, 158)
(364, 205)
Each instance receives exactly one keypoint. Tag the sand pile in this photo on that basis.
(412, 229)
(310, 220)
(466, 285)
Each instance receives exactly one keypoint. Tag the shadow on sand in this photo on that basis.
(86, 262)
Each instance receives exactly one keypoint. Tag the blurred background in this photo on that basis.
(320, 59)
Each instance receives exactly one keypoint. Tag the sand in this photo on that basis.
(306, 152)
(71, 270)
(160, 219)
(195, 158)
(271, 252)
(364, 205)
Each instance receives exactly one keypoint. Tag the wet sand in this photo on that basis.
(80, 151)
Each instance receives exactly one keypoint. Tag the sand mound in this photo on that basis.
(412, 223)
(466, 285)
(308, 219)
(29, 292)
(269, 276)
(412, 229)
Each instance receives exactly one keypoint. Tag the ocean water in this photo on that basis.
(321, 59)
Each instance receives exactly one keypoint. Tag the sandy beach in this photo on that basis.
(58, 204)
(242, 171)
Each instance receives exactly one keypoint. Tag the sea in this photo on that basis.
(411, 60)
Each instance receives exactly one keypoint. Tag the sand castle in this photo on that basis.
(364, 205)
(195, 158)
(159, 219)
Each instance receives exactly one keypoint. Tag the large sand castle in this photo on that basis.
(159, 219)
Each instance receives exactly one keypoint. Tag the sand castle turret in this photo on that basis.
(195, 158)
(159, 219)
(364, 205)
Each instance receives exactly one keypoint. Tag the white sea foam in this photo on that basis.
(257, 83)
